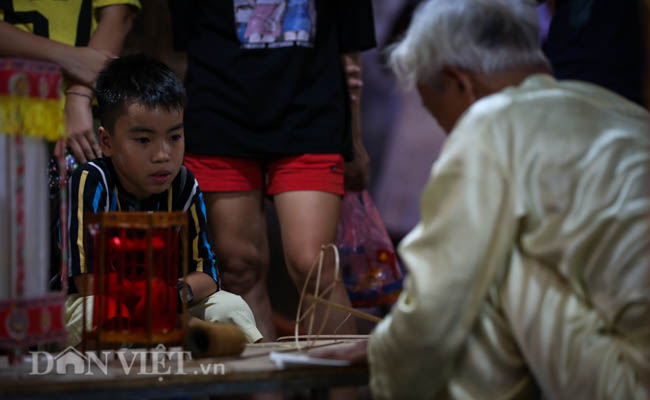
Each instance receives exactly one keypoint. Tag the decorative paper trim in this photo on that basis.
(32, 321)
(29, 116)
(31, 100)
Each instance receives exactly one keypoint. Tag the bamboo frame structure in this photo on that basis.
(100, 224)
(322, 298)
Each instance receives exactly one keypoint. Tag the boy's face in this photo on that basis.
(146, 147)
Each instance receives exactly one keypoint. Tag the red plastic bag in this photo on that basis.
(369, 267)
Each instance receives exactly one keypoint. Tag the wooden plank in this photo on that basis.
(249, 373)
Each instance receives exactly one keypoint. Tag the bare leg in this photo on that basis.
(238, 229)
(309, 219)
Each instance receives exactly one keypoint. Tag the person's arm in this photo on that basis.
(114, 23)
(463, 239)
(203, 276)
(80, 63)
(356, 171)
(356, 33)
(202, 285)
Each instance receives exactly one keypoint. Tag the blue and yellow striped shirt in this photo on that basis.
(95, 187)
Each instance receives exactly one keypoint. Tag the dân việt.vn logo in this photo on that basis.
(157, 361)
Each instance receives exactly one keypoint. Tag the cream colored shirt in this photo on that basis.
(529, 271)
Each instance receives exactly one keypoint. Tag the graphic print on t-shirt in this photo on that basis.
(275, 23)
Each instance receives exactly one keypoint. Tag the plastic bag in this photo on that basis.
(369, 267)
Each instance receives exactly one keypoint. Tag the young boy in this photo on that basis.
(141, 105)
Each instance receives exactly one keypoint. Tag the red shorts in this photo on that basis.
(322, 172)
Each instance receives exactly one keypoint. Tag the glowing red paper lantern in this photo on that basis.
(137, 258)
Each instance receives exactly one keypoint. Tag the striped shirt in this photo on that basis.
(95, 187)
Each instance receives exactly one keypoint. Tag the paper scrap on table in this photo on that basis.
(284, 360)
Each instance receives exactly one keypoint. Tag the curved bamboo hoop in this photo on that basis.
(320, 298)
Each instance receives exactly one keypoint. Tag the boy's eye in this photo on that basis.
(142, 140)
(177, 136)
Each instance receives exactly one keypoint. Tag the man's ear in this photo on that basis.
(105, 141)
(460, 82)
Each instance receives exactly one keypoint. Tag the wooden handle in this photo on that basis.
(208, 339)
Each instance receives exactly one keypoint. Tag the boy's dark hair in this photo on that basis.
(136, 79)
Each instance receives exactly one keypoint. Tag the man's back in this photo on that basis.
(574, 291)
(528, 272)
(579, 159)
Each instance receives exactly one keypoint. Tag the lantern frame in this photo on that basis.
(99, 335)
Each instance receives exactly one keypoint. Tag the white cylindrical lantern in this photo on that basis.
(31, 114)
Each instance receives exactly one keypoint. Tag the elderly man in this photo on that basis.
(529, 271)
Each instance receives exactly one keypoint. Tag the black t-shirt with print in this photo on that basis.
(265, 78)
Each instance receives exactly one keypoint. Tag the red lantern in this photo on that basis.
(136, 258)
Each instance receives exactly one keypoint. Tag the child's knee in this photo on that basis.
(241, 273)
(301, 262)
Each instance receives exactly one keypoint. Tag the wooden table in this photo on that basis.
(251, 372)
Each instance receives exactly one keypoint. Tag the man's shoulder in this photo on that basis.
(559, 117)
(531, 93)
(538, 97)
(542, 93)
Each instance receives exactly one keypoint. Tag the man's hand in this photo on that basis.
(82, 64)
(79, 124)
(356, 353)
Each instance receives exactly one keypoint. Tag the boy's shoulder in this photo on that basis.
(184, 186)
(184, 177)
(95, 170)
(183, 190)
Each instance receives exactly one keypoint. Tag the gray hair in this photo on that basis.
(486, 36)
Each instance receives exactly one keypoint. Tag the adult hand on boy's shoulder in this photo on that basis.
(83, 64)
(79, 128)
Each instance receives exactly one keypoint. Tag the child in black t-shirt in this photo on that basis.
(270, 114)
